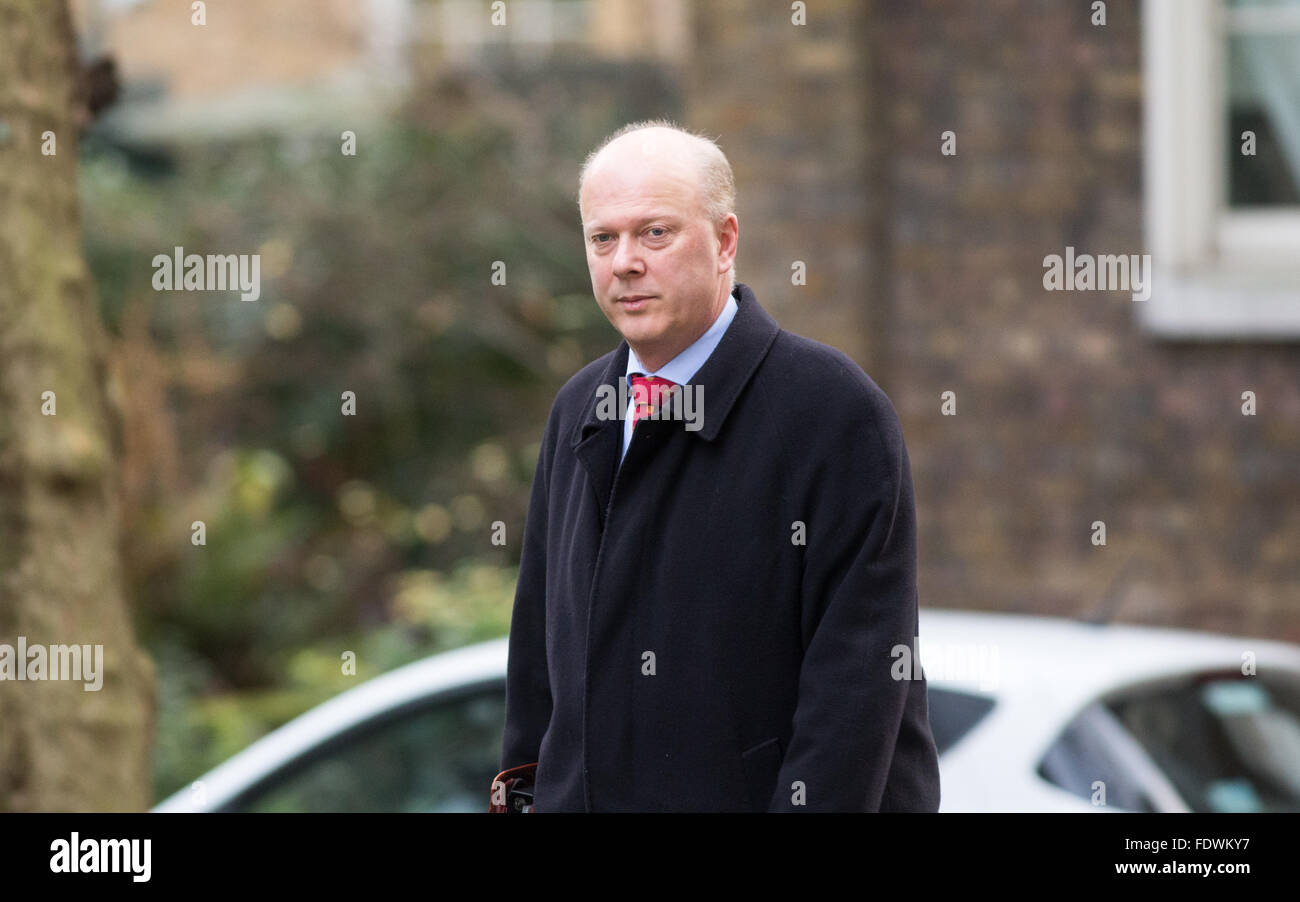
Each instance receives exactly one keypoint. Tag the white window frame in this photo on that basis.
(1216, 273)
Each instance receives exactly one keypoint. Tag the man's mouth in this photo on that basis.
(634, 301)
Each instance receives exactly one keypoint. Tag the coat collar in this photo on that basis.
(728, 370)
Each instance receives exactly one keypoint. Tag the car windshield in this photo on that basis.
(1226, 742)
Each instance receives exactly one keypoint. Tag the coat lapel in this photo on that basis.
(734, 361)
(596, 441)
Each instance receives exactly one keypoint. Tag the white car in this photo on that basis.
(1029, 714)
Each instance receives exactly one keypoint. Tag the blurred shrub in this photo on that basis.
(327, 532)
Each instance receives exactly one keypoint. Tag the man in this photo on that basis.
(707, 618)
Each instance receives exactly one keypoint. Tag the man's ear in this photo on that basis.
(726, 234)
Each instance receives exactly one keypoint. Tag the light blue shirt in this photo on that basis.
(681, 368)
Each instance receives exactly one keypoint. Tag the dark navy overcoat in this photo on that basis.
(716, 624)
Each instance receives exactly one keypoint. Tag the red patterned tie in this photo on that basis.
(646, 392)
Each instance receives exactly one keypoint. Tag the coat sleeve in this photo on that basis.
(528, 687)
(859, 603)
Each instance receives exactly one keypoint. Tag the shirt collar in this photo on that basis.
(686, 364)
(595, 437)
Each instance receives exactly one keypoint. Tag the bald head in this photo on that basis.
(660, 145)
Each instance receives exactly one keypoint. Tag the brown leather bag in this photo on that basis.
(512, 790)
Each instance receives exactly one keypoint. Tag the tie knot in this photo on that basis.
(646, 392)
(643, 379)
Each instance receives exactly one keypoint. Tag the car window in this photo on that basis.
(1227, 742)
(437, 757)
(1094, 759)
(953, 714)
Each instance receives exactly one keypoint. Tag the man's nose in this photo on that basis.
(627, 259)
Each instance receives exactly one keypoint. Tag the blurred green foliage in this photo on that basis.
(328, 533)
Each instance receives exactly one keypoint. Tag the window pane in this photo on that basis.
(953, 714)
(1263, 94)
(1227, 744)
(1084, 755)
(438, 758)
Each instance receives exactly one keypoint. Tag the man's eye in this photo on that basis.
(596, 238)
(659, 229)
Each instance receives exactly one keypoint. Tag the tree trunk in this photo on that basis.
(63, 747)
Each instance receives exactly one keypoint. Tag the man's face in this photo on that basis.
(647, 237)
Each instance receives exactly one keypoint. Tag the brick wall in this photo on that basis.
(928, 270)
